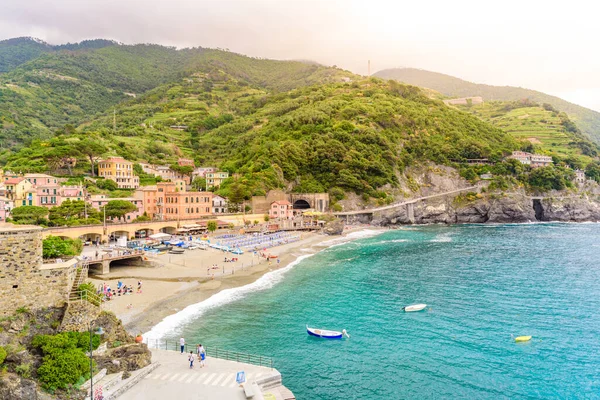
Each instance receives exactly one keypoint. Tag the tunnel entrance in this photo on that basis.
(539, 209)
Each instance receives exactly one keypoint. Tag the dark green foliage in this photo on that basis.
(73, 213)
(29, 215)
(118, 208)
(107, 184)
(592, 171)
(142, 218)
(65, 361)
(54, 247)
(548, 178)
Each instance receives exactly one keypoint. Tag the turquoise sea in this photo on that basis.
(484, 284)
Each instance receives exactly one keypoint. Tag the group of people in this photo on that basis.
(233, 259)
(122, 289)
(200, 353)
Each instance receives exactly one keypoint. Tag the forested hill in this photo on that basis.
(74, 83)
(17, 51)
(587, 120)
(354, 136)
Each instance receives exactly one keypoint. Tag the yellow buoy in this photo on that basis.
(522, 338)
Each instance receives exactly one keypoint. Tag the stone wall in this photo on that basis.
(24, 280)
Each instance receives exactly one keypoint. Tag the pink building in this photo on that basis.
(5, 206)
(99, 201)
(282, 209)
(54, 195)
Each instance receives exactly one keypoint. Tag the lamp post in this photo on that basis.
(98, 331)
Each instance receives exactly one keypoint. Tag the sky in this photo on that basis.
(548, 46)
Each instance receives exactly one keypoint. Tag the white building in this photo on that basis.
(219, 205)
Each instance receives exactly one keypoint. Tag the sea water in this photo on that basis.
(483, 286)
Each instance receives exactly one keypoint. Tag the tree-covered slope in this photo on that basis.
(73, 86)
(587, 120)
(547, 129)
(17, 51)
(357, 136)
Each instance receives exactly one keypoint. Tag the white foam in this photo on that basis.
(365, 233)
(172, 323)
(445, 238)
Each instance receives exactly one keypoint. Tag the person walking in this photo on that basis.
(191, 359)
(202, 354)
(198, 352)
(182, 344)
(139, 286)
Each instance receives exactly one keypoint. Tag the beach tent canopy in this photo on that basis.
(193, 226)
(159, 236)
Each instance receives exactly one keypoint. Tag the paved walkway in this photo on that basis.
(173, 379)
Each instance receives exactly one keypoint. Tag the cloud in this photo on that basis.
(525, 43)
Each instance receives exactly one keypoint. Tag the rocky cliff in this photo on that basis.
(495, 208)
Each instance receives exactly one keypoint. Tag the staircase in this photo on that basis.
(80, 277)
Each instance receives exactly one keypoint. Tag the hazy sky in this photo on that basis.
(547, 45)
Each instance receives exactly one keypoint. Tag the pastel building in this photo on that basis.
(16, 189)
(535, 160)
(41, 179)
(214, 179)
(5, 206)
(119, 170)
(219, 205)
(176, 204)
(281, 209)
(99, 201)
(54, 195)
(200, 172)
(149, 197)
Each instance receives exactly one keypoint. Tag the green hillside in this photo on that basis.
(551, 132)
(356, 136)
(73, 86)
(17, 51)
(587, 120)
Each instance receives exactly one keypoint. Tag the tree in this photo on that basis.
(29, 215)
(73, 212)
(592, 171)
(54, 247)
(185, 170)
(143, 218)
(118, 208)
(199, 183)
(92, 148)
(60, 154)
(211, 226)
(107, 184)
(266, 218)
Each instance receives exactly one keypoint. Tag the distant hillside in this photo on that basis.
(60, 87)
(587, 120)
(17, 51)
(550, 131)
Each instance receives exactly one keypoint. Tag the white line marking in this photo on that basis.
(182, 378)
(221, 376)
(173, 377)
(164, 378)
(210, 378)
(191, 378)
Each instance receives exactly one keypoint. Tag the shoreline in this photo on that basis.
(170, 289)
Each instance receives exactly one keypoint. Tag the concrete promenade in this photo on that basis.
(173, 379)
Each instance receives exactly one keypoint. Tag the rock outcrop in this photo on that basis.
(335, 227)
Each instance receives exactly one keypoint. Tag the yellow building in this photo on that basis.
(214, 179)
(17, 190)
(119, 170)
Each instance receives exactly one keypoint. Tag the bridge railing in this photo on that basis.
(120, 254)
(85, 295)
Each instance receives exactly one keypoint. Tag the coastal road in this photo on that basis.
(173, 379)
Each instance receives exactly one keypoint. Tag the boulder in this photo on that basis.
(335, 227)
(129, 357)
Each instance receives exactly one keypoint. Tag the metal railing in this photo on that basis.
(85, 295)
(214, 352)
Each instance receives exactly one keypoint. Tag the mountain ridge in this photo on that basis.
(588, 120)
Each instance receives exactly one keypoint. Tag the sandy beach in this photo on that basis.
(175, 281)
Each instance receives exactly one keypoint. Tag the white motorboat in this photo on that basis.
(414, 307)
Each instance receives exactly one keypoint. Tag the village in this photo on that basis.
(173, 198)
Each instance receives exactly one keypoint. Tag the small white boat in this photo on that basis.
(324, 333)
(414, 307)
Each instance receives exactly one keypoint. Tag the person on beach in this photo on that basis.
(139, 287)
(191, 359)
(202, 354)
(182, 344)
